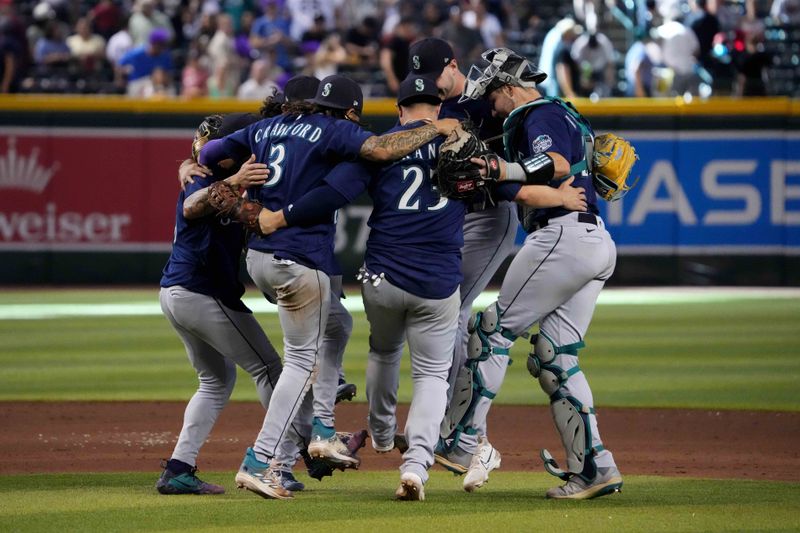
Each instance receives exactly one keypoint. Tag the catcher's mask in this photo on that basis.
(208, 129)
(505, 67)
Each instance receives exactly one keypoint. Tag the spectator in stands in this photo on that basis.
(260, 84)
(118, 45)
(679, 49)
(329, 56)
(394, 53)
(11, 51)
(235, 9)
(138, 64)
(433, 16)
(752, 78)
(642, 57)
(270, 34)
(467, 43)
(51, 49)
(194, 76)
(595, 56)
(146, 18)
(87, 47)
(363, 42)
(568, 73)
(317, 32)
(106, 18)
(785, 11)
(303, 13)
(158, 85)
(226, 65)
(478, 17)
(551, 48)
(43, 14)
(705, 26)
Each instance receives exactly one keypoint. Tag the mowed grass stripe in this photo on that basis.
(743, 355)
(363, 501)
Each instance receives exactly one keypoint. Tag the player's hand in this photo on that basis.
(445, 126)
(271, 221)
(250, 174)
(188, 170)
(481, 164)
(573, 198)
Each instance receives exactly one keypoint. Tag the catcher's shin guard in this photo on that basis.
(571, 417)
(469, 386)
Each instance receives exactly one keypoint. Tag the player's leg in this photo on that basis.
(488, 240)
(344, 390)
(303, 297)
(216, 376)
(591, 470)
(386, 313)
(325, 443)
(430, 329)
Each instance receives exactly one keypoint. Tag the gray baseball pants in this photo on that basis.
(217, 339)
(303, 297)
(395, 316)
(554, 280)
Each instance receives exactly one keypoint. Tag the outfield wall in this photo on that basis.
(88, 189)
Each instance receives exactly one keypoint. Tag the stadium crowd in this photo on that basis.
(246, 48)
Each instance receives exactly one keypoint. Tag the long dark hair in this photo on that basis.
(271, 107)
(301, 107)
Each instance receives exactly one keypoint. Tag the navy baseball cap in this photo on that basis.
(429, 56)
(301, 88)
(339, 92)
(415, 89)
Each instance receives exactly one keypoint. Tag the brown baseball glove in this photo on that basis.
(228, 203)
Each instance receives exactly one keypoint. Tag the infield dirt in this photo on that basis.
(45, 437)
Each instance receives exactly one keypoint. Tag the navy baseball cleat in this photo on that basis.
(184, 483)
(345, 391)
(290, 482)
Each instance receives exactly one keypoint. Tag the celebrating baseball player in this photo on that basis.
(294, 266)
(412, 268)
(201, 297)
(563, 264)
(489, 231)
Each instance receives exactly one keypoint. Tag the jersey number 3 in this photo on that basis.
(277, 153)
(410, 201)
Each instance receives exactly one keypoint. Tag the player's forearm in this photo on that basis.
(317, 206)
(396, 145)
(539, 196)
(196, 205)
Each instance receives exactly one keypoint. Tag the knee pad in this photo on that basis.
(540, 362)
(467, 391)
(480, 327)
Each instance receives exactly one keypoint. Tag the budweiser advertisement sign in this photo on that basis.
(89, 189)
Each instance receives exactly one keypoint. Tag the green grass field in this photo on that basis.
(363, 502)
(730, 353)
(736, 354)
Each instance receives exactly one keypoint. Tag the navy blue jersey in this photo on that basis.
(300, 152)
(415, 234)
(205, 253)
(550, 128)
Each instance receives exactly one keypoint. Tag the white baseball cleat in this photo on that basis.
(411, 488)
(332, 450)
(266, 484)
(483, 462)
(607, 481)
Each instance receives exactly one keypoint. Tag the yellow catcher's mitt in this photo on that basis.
(612, 162)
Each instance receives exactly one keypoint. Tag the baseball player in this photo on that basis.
(410, 276)
(201, 298)
(557, 275)
(294, 266)
(489, 232)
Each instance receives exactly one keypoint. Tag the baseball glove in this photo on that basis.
(208, 129)
(458, 177)
(612, 161)
(319, 468)
(228, 203)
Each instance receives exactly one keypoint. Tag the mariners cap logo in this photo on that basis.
(415, 62)
(326, 91)
(419, 84)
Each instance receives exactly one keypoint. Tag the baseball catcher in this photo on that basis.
(457, 176)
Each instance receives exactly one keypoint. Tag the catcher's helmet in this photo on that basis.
(504, 67)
